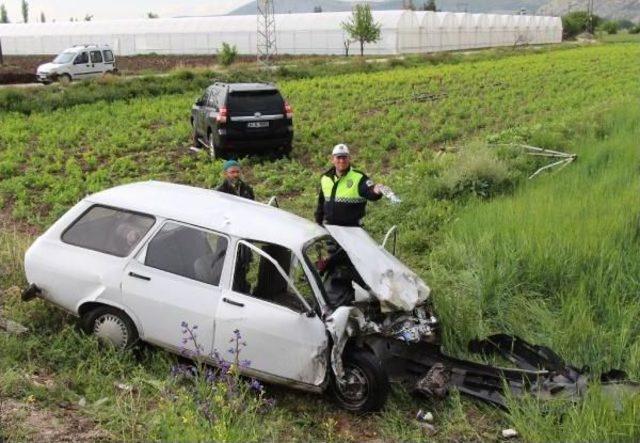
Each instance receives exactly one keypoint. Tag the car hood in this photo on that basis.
(396, 286)
(47, 67)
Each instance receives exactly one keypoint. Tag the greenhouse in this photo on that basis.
(311, 33)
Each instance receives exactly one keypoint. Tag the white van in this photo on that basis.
(78, 62)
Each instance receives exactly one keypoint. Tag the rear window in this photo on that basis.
(250, 102)
(108, 56)
(109, 230)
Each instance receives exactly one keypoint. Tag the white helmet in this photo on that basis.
(340, 150)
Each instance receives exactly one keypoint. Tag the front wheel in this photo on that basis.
(64, 79)
(365, 385)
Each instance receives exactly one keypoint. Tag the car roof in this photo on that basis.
(78, 48)
(213, 210)
(238, 87)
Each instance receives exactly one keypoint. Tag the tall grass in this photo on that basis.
(558, 263)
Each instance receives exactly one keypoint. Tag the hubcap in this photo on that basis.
(354, 386)
(111, 329)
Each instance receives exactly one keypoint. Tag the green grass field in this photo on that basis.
(554, 260)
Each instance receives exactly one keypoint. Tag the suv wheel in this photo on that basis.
(365, 385)
(196, 139)
(111, 326)
(214, 150)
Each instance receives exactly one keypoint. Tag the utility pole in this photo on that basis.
(590, 16)
(266, 32)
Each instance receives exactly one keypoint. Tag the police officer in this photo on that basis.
(344, 191)
(232, 183)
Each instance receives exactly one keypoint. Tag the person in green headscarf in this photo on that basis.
(233, 183)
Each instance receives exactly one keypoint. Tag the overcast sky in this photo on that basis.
(62, 10)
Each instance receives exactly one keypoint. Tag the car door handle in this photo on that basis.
(141, 277)
(234, 303)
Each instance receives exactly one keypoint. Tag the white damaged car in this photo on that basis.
(319, 308)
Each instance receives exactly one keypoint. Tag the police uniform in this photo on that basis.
(342, 200)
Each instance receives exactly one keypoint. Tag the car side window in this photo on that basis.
(189, 252)
(96, 57)
(257, 277)
(109, 230)
(83, 57)
(108, 56)
(211, 98)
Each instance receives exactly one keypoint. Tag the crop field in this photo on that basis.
(554, 260)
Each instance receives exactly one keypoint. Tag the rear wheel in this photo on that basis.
(112, 327)
(365, 385)
(194, 135)
(212, 146)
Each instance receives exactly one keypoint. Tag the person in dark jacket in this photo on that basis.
(232, 183)
(344, 191)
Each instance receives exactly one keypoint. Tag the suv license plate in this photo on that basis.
(258, 125)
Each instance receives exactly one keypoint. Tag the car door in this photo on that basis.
(108, 60)
(198, 112)
(97, 63)
(262, 321)
(81, 67)
(173, 286)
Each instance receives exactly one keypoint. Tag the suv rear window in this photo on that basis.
(250, 102)
(109, 230)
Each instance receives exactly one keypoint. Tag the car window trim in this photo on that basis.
(279, 269)
(141, 256)
(100, 205)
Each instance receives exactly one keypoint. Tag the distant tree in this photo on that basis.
(4, 18)
(361, 26)
(635, 29)
(152, 15)
(25, 11)
(227, 55)
(88, 17)
(317, 9)
(43, 19)
(610, 27)
(625, 24)
(577, 22)
(429, 6)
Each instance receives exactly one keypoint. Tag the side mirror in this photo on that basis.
(199, 102)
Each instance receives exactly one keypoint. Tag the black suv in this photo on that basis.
(233, 117)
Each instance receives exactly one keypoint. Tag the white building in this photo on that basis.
(310, 33)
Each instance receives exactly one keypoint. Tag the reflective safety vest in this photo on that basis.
(344, 203)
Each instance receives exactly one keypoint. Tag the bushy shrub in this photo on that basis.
(475, 171)
(227, 55)
(577, 22)
(610, 27)
(635, 29)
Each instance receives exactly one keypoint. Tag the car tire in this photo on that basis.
(65, 79)
(214, 150)
(194, 135)
(367, 384)
(111, 326)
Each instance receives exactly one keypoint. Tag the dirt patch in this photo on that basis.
(28, 421)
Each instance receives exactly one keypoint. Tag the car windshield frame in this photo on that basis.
(64, 57)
